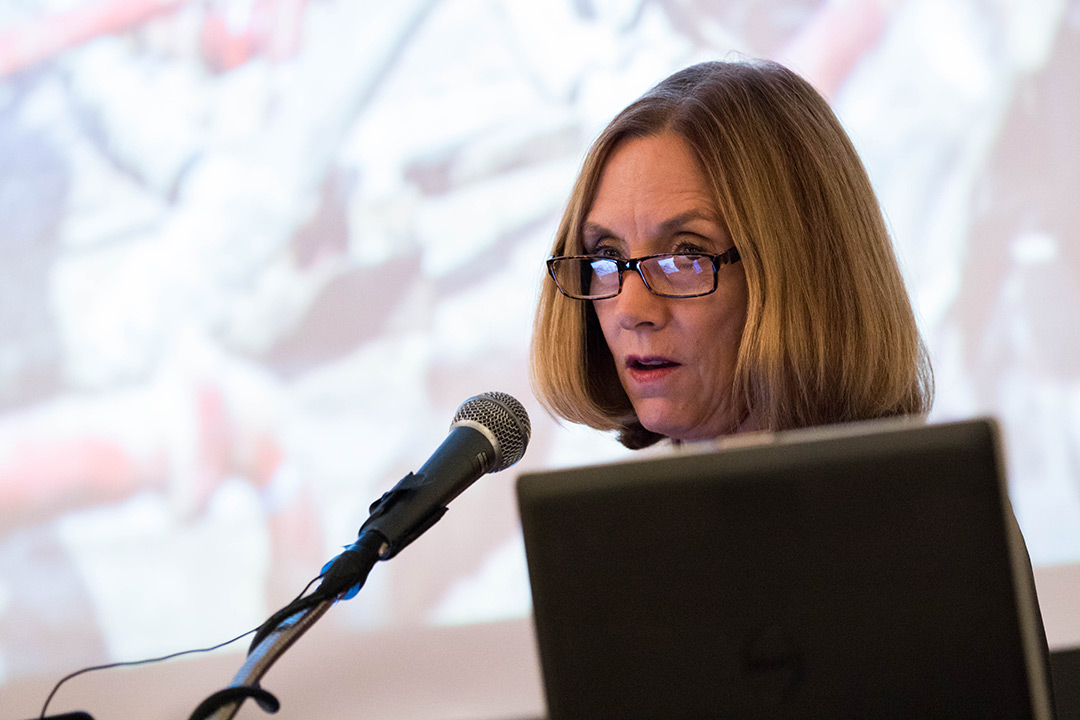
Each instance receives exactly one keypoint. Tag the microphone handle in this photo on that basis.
(419, 500)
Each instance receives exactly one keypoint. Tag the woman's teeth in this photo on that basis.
(651, 363)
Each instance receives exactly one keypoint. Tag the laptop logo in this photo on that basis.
(772, 665)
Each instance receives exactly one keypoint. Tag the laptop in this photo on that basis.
(865, 570)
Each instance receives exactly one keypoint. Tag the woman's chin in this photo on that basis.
(673, 427)
(668, 421)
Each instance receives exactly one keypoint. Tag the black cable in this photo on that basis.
(347, 570)
(298, 605)
(344, 574)
(133, 663)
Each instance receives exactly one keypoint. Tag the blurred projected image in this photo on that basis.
(255, 253)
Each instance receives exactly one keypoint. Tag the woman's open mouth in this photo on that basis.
(645, 368)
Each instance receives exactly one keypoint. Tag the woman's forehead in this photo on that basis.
(651, 187)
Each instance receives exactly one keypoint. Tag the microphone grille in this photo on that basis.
(505, 418)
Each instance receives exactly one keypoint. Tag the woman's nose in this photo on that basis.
(636, 305)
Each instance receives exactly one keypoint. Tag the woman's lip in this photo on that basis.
(642, 376)
(645, 369)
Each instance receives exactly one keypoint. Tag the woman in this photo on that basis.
(723, 266)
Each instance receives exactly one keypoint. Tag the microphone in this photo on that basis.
(489, 433)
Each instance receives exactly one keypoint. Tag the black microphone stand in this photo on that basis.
(349, 570)
(396, 519)
(224, 704)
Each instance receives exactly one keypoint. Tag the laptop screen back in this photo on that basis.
(864, 570)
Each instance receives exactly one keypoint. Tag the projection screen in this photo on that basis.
(255, 253)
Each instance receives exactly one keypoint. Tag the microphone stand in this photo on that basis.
(400, 516)
(345, 574)
(246, 681)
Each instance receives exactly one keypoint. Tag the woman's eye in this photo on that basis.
(605, 251)
(691, 244)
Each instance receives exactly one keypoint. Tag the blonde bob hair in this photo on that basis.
(830, 335)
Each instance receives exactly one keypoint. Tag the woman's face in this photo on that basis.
(675, 356)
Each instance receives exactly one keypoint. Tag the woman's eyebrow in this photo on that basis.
(670, 225)
(595, 229)
(591, 232)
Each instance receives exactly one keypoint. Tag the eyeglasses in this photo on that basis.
(671, 275)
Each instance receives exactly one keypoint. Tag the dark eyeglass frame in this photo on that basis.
(728, 257)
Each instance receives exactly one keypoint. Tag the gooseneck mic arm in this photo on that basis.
(489, 433)
(278, 635)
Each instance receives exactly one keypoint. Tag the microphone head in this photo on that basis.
(504, 419)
